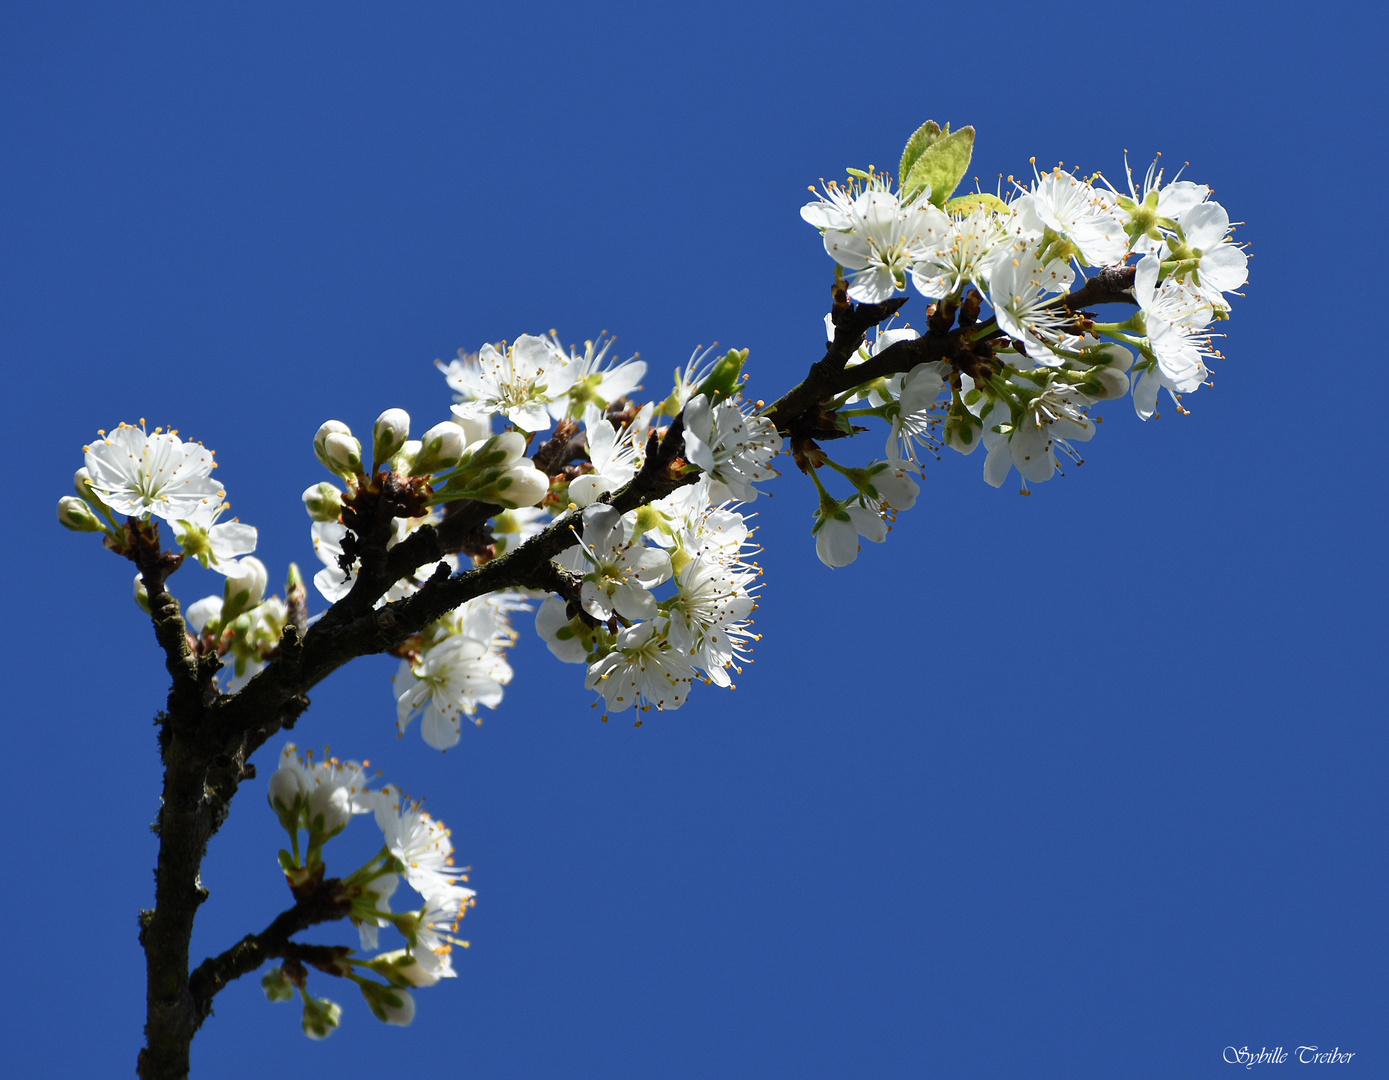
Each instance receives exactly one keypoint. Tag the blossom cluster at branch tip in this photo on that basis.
(1024, 367)
(320, 799)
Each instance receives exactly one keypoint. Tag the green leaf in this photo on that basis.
(921, 138)
(942, 165)
(968, 203)
(723, 380)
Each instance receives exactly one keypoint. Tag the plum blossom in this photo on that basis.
(1076, 213)
(520, 381)
(620, 571)
(135, 473)
(450, 679)
(597, 380)
(965, 255)
(1023, 291)
(732, 447)
(870, 233)
(614, 455)
(709, 615)
(1053, 418)
(644, 666)
(216, 545)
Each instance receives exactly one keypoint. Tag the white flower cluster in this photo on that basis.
(640, 649)
(1048, 364)
(320, 799)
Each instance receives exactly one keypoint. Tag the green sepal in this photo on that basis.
(276, 986)
(965, 204)
(723, 380)
(287, 863)
(941, 165)
(921, 138)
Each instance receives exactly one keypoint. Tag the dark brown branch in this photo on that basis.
(328, 903)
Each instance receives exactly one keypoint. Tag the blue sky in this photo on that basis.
(1086, 784)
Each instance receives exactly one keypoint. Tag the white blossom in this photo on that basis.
(619, 572)
(216, 545)
(421, 843)
(334, 790)
(520, 381)
(1022, 291)
(963, 256)
(872, 234)
(838, 526)
(732, 447)
(135, 473)
(1076, 213)
(597, 380)
(642, 668)
(449, 680)
(1054, 418)
(709, 615)
(614, 455)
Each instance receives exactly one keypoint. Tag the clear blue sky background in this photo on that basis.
(1090, 784)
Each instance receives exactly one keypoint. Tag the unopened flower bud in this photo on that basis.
(284, 794)
(1106, 384)
(330, 809)
(323, 502)
(205, 615)
(402, 969)
(75, 514)
(388, 434)
(441, 447)
(389, 1004)
(342, 454)
(331, 427)
(245, 587)
(523, 485)
(82, 481)
(404, 461)
(512, 444)
(142, 596)
(321, 1017)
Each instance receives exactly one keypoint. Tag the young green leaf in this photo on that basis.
(921, 138)
(942, 165)
(967, 203)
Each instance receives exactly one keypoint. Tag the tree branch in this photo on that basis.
(207, 740)
(329, 902)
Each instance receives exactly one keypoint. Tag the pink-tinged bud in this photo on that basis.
(441, 447)
(388, 434)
